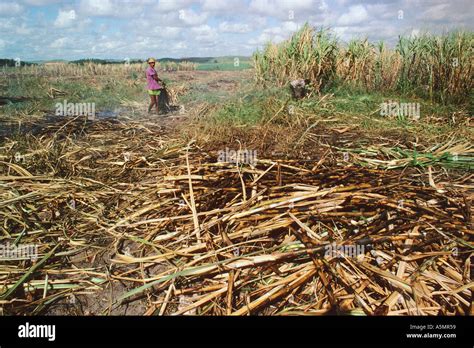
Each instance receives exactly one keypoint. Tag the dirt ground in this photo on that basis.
(103, 301)
(144, 135)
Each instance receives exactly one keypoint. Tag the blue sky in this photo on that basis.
(120, 29)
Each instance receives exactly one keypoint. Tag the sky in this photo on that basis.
(130, 29)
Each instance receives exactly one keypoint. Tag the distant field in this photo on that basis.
(227, 64)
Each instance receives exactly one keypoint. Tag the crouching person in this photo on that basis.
(299, 88)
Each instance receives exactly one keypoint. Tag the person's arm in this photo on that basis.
(157, 79)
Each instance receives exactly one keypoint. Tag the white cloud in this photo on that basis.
(415, 32)
(283, 9)
(173, 5)
(179, 46)
(223, 6)
(40, 2)
(356, 15)
(7, 24)
(113, 8)
(436, 12)
(276, 34)
(170, 33)
(97, 7)
(110, 45)
(227, 27)
(323, 6)
(22, 29)
(65, 19)
(192, 18)
(375, 31)
(204, 34)
(10, 9)
(60, 43)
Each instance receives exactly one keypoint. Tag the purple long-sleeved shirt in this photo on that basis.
(152, 84)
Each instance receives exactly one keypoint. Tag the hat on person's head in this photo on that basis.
(151, 60)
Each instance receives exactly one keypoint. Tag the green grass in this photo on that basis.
(225, 64)
(344, 105)
(107, 94)
(239, 112)
(248, 106)
(202, 94)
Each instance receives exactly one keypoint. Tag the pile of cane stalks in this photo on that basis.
(106, 205)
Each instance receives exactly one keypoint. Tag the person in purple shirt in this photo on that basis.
(153, 84)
